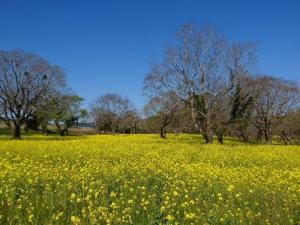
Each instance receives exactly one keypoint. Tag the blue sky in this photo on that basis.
(107, 46)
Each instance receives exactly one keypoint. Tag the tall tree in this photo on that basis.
(26, 80)
(197, 70)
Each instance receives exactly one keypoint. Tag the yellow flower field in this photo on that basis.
(142, 179)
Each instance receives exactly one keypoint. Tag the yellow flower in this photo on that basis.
(230, 188)
(30, 218)
(75, 220)
(117, 179)
(113, 194)
(113, 205)
(175, 193)
(190, 216)
(169, 217)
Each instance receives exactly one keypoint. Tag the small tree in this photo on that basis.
(289, 130)
(163, 109)
(129, 122)
(67, 112)
(275, 98)
(108, 111)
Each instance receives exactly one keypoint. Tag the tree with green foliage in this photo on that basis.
(66, 112)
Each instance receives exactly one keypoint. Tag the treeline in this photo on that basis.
(202, 84)
(215, 80)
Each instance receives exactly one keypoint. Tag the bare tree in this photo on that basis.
(198, 71)
(290, 128)
(108, 111)
(275, 98)
(130, 122)
(163, 109)
(25, 82)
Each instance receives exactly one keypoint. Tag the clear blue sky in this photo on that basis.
(107, 46)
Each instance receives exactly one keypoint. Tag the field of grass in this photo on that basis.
(142, 179)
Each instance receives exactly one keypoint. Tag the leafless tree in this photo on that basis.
(199, 71)
(164, 109)
(26, 80)
(275, 98)
(290, 128)
(130, 122)
(108, 111)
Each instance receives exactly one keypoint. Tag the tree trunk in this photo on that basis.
(113, 129)
(45, 126)
(259, 135)
(286, 139)
(220, 138)
(17, 132)
(208, 137)
(207, 131)
(44, 129)
(135, 128)
(244, 136)
(268, 135)
(162, 132)
(62, 132)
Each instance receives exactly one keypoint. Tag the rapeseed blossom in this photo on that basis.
(142, 179)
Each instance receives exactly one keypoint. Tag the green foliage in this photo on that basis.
(241, 104)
